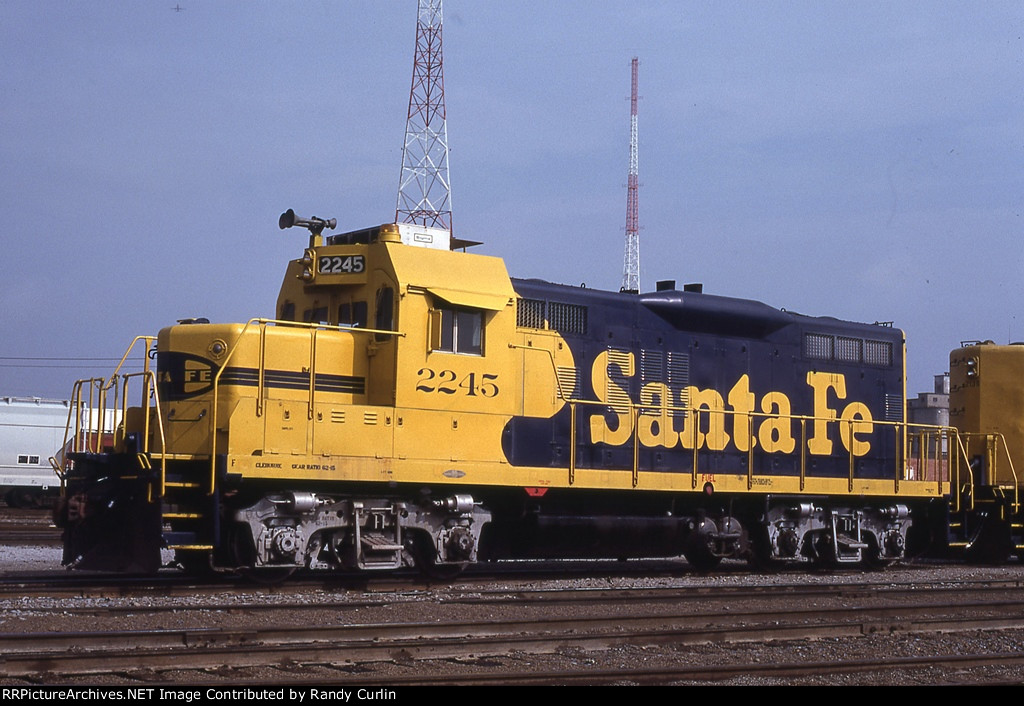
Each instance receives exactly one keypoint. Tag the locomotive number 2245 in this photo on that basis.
(447, 383)
(342, 264)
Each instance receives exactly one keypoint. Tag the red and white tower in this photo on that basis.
(424, 194)
(631, 261)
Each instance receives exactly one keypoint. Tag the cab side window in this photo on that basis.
(385, 312)
(458, 331)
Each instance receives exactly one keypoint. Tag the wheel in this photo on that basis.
(244, 555)
(873, 561)
(760, 555)
(425, 558)
(698, 548)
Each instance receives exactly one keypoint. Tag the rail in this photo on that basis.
(98, 416)
(965, 480)
(696, 419)
(234, 347)
(700, 423)
(98, 413)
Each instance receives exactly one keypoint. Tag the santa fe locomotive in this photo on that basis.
(412, 405)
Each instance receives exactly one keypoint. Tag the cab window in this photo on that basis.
(352, 314)
(458, 331)
(385, 312)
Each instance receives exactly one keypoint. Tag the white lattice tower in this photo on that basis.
(631, 260)
(424, 193)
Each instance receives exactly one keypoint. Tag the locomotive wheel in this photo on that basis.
(759, 557)
(426, 560)
(244, 555)
(703, 547)
(873, 557)
(824, 551)
(873, 562)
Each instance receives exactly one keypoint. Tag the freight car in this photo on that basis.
(31, 432)
(412, 405)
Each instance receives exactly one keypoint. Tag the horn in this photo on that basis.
(314, 224)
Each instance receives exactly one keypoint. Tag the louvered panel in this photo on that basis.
(678, 373)
(568, 382)
(618, 394)
(652, 366)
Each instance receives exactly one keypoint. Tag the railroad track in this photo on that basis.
(588, 621)
(387, 593)
(27, 527)
(478, 585)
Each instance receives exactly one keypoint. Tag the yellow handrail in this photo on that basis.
(994, 442)
(697, 418)
(150, 389)
(87, 420)
(262, 323)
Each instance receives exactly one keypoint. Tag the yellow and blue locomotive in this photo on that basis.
(411, 404)
(983, 518)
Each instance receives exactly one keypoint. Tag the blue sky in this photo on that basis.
(859, 160)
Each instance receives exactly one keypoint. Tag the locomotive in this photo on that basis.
(983, 517)
(411, 405)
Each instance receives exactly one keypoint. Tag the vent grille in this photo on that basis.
(568, 382)
(652, 366)
(618, 394)
(878, 352)
(818, 346)
(567, 318)
(679, 379)
(530, 313)
(561, 316)
(894, 408)
(849, 350)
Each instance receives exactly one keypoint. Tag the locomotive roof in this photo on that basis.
(697, 311)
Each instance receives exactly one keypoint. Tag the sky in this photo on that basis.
(858, 160)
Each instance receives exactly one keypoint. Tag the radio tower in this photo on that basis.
(631, 261)
(424, 195)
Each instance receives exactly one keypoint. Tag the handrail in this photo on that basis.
(85, 438)
(994, 442)
(262, 323)
(150, 390)
(554, 366)
(696, 418)
(91, 406)
(963, 446)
